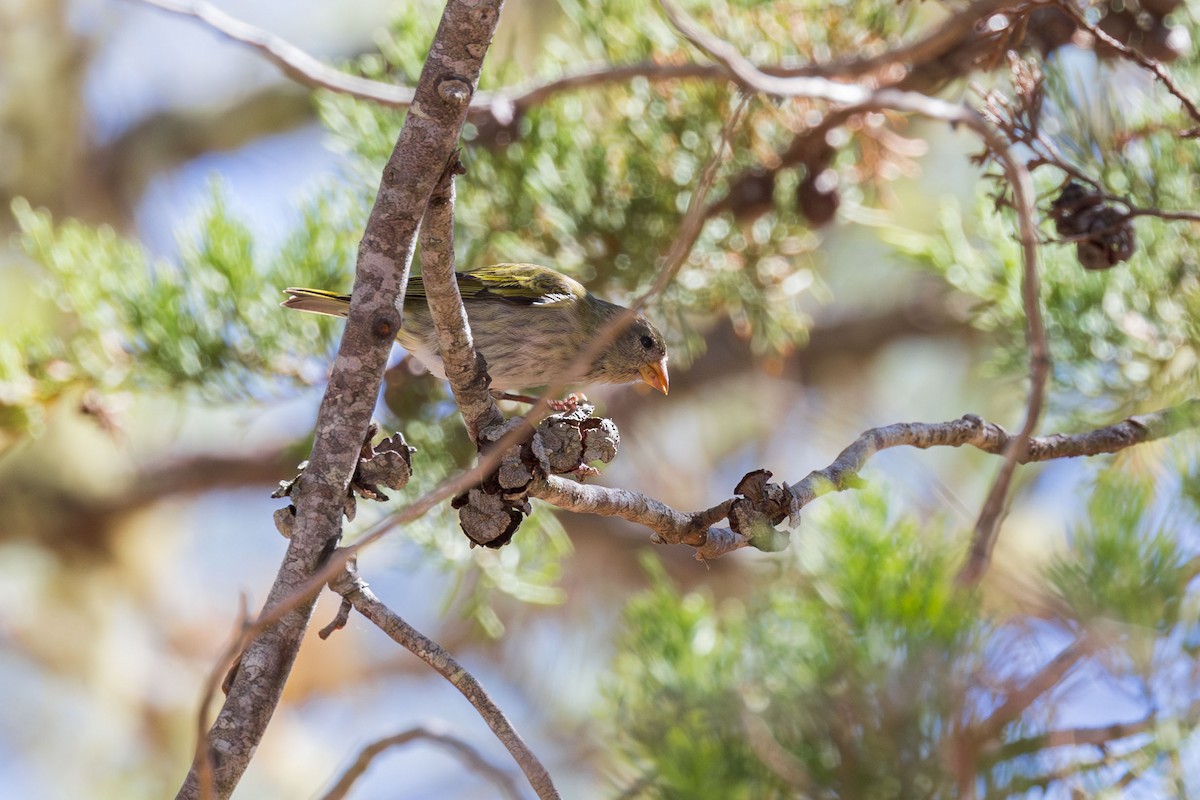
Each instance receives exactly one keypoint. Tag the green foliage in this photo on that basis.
(855, 671)
(1126, 564)
(845, 670)
(595, 182)
(1122, 340)
(115, 319)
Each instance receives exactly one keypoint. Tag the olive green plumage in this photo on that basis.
(529, 322)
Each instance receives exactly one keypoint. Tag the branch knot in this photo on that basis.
(455, 91)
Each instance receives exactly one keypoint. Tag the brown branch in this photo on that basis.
(336, 563)
(203, 758)
(354, 589)
(987, 526)
(693, 529)
(457, 747)
(858, 97)
(959, 44)
(1133, 55)
(855, 97)
(773, 755)
(1098, 736)
(505, 106)
(294, 62)
(669, 526)
(1027, 693)
(922, 65)
(425, 143)
(339, 621)
(1168, 216)
(465, 367)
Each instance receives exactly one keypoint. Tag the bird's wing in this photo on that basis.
(523, 284)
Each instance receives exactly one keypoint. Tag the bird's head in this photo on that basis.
(638, 353)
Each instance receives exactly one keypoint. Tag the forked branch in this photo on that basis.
(696, 529)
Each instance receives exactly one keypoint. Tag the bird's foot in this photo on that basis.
(566, 405)
(585, 471)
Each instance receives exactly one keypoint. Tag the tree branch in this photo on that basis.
(1025, 695)
(694, 529)
(294, 62)
(856, 97)
(426, 140)
(987, 526)
(669, 526)
(1098, 736)
(1129, 53)
(431, 733)
(354, 589)
(465, 367)
(919, 65)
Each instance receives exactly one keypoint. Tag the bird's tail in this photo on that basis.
(317, 301)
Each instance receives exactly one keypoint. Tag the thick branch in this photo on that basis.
(371, 607)
(693, 529)
(426, 141)
(463, 751)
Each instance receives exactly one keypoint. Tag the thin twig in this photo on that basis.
(1135, 56)
(430, 732)
(1169, 216)
(354, 589)
(987, 525)
(1024, 696)
(1097, 736)
(693, 529)
(203, 757)
(339, 620)
(507, 105)
(291, 60)
(968, 744)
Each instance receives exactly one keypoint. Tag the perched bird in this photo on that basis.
(530, 323)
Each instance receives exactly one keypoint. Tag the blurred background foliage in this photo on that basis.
(151, 392)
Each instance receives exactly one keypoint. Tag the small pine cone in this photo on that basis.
(1103, 235)
(818, 198)
(1110, 242)
(1071, 210)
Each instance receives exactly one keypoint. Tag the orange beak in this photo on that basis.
(656, 375)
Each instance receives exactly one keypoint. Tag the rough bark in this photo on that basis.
(427, 138)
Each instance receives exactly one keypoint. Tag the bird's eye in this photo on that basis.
(647, 342)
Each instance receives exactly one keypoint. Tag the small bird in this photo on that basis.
(530, 323)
